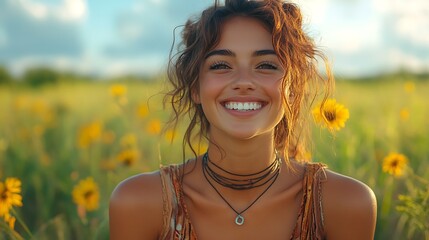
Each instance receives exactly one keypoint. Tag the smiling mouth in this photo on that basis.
(243, 106)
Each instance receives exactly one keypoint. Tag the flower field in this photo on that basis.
(64, 147)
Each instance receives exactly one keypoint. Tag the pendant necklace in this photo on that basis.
(239, 220)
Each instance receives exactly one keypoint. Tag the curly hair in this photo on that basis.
(295, 49)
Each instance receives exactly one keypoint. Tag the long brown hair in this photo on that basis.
(295, 49)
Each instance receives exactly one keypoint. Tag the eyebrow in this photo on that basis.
(264, 52)
(226, 52)
(221, 52)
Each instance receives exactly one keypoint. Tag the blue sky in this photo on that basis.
(108, 38)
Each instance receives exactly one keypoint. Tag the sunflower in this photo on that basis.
(331, 114)
(89, 134)
(395, 164)
(404, 114)
(86, 194)
(142, 110)
(128, 157)
(10, 195)
(154, 127)
(118, 90)
(129, 140)
(119, 93)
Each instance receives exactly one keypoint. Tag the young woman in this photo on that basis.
(246, 74)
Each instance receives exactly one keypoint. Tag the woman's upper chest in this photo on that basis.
(272, 216)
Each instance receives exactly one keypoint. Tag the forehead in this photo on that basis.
(244, 32)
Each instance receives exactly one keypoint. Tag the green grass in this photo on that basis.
(39, 132)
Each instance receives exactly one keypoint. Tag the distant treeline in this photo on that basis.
(40, 76)
(398, 75)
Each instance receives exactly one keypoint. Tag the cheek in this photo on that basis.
(204, 92)
(275, 90)
(210, 86)
(277, 94)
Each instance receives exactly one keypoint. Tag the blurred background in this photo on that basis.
(81, 106)
(362, 37)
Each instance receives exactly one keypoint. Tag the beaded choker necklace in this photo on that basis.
(245, 181)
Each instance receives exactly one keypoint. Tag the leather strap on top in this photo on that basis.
(310, 221)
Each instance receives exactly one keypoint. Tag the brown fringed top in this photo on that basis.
(177, 224)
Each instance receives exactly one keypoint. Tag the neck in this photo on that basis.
(243, 156)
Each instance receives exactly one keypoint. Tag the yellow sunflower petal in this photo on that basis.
(86, 194)
(331, 114)
(13, 185)
(395, 164)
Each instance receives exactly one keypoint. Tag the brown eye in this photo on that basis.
(219, 66)
(267, 65)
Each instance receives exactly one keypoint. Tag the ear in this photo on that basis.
(195, 96)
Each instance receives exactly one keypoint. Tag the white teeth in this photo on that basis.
(243, 106)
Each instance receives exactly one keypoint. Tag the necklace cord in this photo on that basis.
(273, 179)
(254, 180)
(240, 175)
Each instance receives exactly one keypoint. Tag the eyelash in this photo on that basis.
(269, 64)
(223, 65)
(219, 65)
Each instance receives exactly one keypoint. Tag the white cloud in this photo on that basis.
(348, 27)
(415, 28)
(68, 10)
(403, 60)
(411, 20)
(146, 28)
(32, 33)
(34, 9)
(313, 11)
(73, 10)
(368, 36)
(408, 19)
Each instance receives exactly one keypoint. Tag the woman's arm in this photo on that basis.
(135, 210)
(350, 208)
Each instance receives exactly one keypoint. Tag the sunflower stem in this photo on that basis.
(22, 223)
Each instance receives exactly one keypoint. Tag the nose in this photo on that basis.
(243, 81)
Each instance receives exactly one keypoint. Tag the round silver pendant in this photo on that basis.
(239, 220)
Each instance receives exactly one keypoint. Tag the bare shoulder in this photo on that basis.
(350, 208)
(135, 209)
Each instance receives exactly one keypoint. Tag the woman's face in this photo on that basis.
(240, 82)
